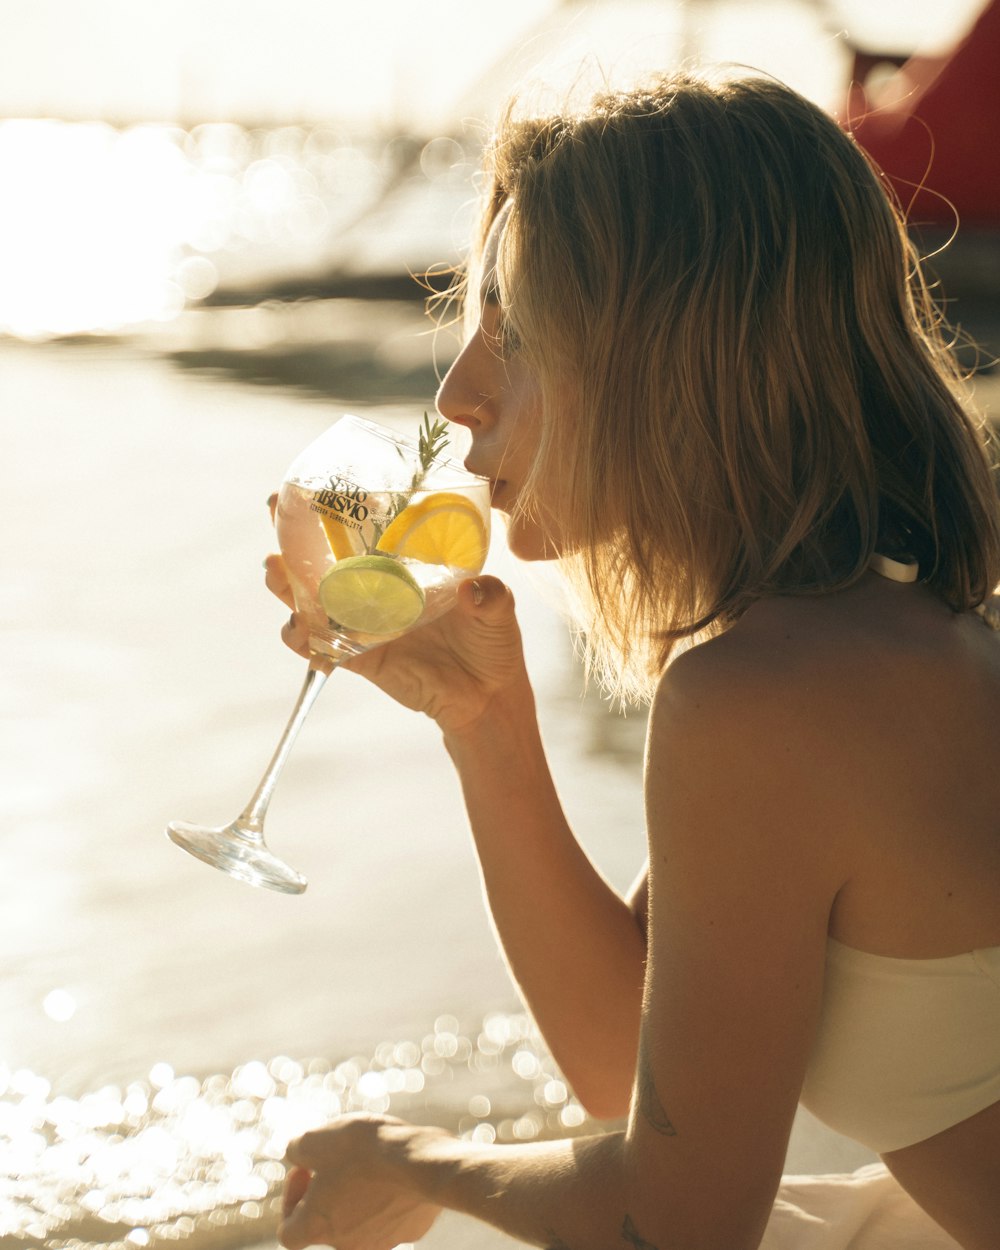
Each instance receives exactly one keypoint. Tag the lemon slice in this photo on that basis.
(371, 594)
(444, 528)
(338, 536)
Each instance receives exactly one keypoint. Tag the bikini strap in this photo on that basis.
(909, 571)
(894, 570)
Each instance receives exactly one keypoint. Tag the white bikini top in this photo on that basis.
(906, 1047)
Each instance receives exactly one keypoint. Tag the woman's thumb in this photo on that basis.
(486, 597)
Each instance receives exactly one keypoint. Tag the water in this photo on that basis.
(111, 227)
(177, 1159)
(138, 981)
(316, 167)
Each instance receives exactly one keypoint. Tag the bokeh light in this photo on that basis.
(59, 1005)
(104, 228)
(182, 1159)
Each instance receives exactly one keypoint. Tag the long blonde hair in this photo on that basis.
(745, 388)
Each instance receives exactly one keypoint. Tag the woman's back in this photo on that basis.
(904, 702)
(904, 695)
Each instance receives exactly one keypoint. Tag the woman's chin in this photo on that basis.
(528, 541)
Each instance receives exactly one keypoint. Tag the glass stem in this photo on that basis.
(251, 819)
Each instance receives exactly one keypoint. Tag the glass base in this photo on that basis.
(233, 852)
(327, 644)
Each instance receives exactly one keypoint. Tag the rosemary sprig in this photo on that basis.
(431, 441)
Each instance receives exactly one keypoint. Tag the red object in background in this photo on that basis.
(935, 125)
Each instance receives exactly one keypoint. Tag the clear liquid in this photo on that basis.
(309, 556)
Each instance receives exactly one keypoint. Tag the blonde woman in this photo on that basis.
(701, 370)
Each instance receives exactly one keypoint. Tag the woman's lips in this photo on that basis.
(498, 485)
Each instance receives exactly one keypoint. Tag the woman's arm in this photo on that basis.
(572, 944)
(745, 862)
(369, 1183)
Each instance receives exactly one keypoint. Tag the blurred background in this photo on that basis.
(212, 220)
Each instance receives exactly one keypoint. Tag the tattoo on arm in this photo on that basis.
(649, 1100)
(631, 1234)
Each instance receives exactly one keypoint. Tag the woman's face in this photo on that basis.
(490, 391)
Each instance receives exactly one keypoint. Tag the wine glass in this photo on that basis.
(377, 529)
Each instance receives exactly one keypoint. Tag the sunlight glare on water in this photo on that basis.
(104, 228)
(107, 260)
(175, 1159)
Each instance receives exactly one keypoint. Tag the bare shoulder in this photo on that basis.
(840, 723)
(772, 670)
(797, 715)
(746, 750)
(742, 880)
(842, 672)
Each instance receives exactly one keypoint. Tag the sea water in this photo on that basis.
(163, 1029)
(175, 1159)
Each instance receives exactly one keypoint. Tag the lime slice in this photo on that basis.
(371, 594)
(444, 528)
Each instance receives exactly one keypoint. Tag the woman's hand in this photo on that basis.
(346, 1186)
(453, 668)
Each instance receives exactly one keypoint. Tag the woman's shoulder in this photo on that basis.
(827, 674)
(746, 750)
(761, 703)
(845, 678)
(780, 657)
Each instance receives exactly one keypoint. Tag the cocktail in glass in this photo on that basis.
(377, 530)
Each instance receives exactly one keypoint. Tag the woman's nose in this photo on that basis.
(461, 398)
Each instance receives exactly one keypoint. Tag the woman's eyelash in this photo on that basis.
(510, 340)
(505, 336)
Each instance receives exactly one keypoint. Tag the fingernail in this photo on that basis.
(478, 594)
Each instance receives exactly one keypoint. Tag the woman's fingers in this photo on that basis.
(296, 1183)
(294, 634)
(276, 580)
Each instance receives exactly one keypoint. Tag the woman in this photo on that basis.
(698, 374)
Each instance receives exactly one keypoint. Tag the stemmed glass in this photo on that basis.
(377, 529)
